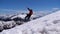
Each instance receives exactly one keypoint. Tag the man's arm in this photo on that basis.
(28, 8)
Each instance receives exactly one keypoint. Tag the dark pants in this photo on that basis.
(28, 16)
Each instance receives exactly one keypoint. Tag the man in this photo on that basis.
(29, 14)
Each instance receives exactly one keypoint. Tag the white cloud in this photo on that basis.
(55, 8)
(10, 11)
(13, 11)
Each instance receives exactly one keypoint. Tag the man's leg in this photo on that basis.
(29, 17)
(26, 17)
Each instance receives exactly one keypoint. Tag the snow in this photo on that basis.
(6, 25)
(49, 24)
(21, 16)
(10, 22)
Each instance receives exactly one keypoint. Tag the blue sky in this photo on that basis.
(23, 4)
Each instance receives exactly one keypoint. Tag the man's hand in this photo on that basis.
(28, 8)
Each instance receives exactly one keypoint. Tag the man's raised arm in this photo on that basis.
(28, 8)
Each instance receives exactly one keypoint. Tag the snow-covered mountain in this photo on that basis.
(49, 24)
(10, 21)
(21, 15)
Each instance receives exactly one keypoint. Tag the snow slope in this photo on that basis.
(9, 24)
(49, 24)
(10, 21)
